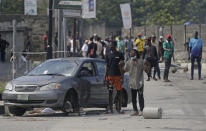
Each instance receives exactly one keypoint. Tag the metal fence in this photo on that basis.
(20, 63)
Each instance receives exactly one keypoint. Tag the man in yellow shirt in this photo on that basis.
(139, 44)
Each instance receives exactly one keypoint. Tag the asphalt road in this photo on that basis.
(183, 103)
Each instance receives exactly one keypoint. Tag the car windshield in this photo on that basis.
(58, 67)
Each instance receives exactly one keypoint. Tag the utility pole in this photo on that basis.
(60, 17)
(0, 7)
(14, 50)
(49, 48)
(23, 7)
(74, 37)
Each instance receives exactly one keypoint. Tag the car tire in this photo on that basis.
(16, 111)
(70, 104)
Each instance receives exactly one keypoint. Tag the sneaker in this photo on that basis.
(191, 79)
(140, 113)
(200, 78)
(135, 113)
(120, 112)
(109, 112)
(155, 78)
(167, 81)
(148, 79)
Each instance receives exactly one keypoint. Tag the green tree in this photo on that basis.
(12, 6)
(42, 7)
(164, 12)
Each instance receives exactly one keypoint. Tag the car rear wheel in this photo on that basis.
(16, 111)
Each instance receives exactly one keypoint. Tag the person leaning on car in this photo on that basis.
(114, 75)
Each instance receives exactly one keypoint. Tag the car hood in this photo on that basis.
(37, 80)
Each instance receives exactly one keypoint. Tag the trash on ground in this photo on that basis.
(48, 111)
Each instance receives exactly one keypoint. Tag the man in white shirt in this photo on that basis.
(85, 48)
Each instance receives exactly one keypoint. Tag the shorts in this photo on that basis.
(116, 81)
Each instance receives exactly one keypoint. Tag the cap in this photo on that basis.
(161, 37)
(168, 36)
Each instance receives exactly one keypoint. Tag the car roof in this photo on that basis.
(79, 59)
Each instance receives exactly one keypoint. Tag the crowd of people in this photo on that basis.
(151, 51)
(136, 56)
(132, 55)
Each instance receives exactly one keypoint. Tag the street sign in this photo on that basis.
(126, 15)
(88, 8)
(30, 7)
(72, 13)
(68, 4)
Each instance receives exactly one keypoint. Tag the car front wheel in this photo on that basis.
(70, 104)
(16, 111)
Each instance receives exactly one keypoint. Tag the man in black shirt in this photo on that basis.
(92, 49)
(151, 56)
(114, 75)
(3, 45)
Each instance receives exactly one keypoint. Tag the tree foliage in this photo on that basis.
(17, 7)
(42, 7)
(12, 6)
(155, 12)
(144, 12)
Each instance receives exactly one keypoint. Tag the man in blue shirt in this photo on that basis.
(195, 46)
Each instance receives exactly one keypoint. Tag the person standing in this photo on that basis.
(45, 41)
(160, 48)
(168, 53)
(120, 45)
(139, 44)
(92, 49)
(187, 48)
(56, 41)
(97, 41)
(128, 47)
(114, 75)
(135, 67)
(85, 48)
(157, 65)
(3, 45)
(28, 43)
(196, 46)
(69, 43)
(106, 48)
(150, 54)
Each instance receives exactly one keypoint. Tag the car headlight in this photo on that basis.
(51, 86)
(9, 87)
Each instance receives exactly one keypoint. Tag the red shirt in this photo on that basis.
(45, 37)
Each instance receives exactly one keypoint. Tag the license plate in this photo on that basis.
(23, 97)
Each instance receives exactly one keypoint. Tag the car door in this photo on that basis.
(102, 93)
(88, 93)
